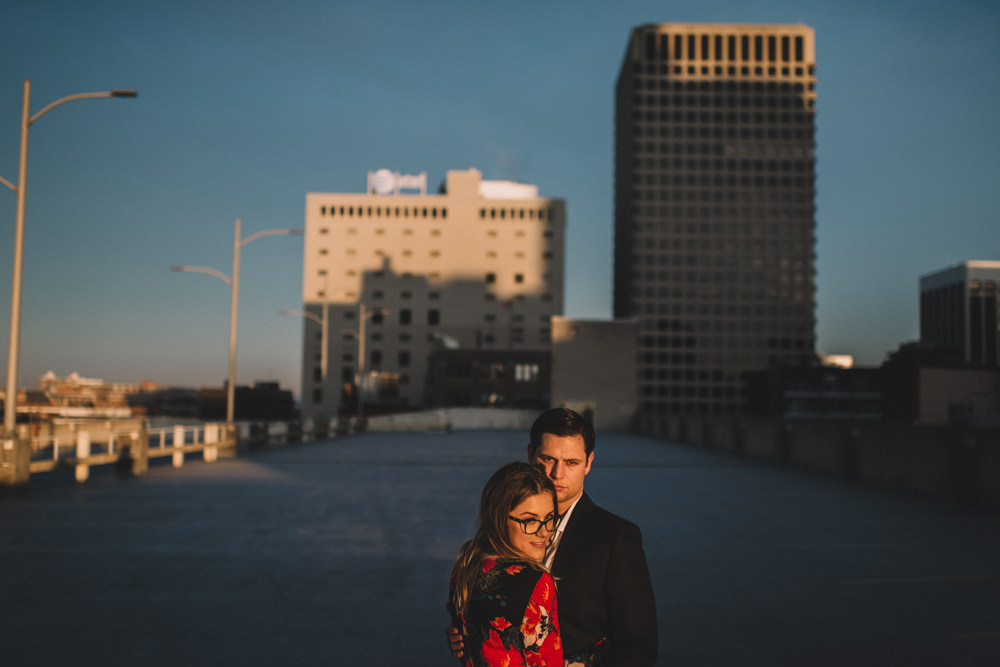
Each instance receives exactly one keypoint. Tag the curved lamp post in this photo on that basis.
(322, 322)
(363, 316)
(234, 284)
(10, 403)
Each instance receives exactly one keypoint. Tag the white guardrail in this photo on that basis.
(82, 448)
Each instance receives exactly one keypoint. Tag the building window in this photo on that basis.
(433, 316)
(404, 358)
(491, 278)
(317, 396)
(405, 316)
(526, 372)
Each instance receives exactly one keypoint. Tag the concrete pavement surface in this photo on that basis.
(338, 553)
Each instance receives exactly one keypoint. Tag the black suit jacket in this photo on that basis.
(604, 588)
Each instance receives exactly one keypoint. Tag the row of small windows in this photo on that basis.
(685, 361)
(710, 320)
(718, 87)
(465, 368)
(745, 303)
(404, 316)
(673, 407)
(705, 70)
(804, 179)
(677, 235)
(748, 196)
(756, 358)
(690, 392)
(743, 327)
(791, 313)
(731, 48)
(520, 297)
(691, 375)
(729, 102)
(389, 211)
(516, 213)
(379, 231)
(716, 181)
(689, 165)
(377, 295)
(771, 133)
(706, 203)
(492, 278)
(680, 124)
(979, 288)
(491, 318)
(749, 254)
(732, 220)
(770, 151)
(690, 343)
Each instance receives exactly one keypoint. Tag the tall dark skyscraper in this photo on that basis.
(714, 208)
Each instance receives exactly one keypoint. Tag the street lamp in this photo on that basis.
(10, 403)
(322, 322)
(234, 284)
(363, 315)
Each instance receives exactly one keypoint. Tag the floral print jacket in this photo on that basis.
(511, 618)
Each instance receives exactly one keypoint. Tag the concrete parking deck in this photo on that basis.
(338, 553)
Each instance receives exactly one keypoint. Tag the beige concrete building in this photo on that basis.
(392, 272)
(714, 208)
(593, 370)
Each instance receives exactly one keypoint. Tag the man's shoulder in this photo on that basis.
(597, 516)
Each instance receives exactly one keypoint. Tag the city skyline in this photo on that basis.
(241, 112)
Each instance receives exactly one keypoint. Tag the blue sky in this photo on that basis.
(244, 107)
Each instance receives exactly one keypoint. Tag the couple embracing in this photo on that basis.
(550, 578)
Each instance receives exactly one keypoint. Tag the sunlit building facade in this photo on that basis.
(714, 208)
(477, 265)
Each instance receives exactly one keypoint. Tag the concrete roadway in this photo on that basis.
(338, 553)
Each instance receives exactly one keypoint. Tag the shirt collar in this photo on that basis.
(564, 519)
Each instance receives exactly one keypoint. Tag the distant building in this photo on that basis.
(959, 309)
(518, 379)
(815, 392)
(714, 208)
(593, 369)
(476, 266)
(264, 401)
(929, 384)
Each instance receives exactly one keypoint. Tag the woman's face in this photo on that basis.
(539, 507)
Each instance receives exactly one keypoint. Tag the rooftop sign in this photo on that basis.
(385, 182)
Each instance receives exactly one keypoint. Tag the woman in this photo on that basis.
(502, 597)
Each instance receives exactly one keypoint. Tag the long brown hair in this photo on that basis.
(504, 491)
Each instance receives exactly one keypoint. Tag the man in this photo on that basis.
(606, 605)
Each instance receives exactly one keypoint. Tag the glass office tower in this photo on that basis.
(714, 208)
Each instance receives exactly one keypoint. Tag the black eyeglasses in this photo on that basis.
(532, 526)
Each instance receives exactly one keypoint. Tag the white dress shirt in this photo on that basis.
(550, 553)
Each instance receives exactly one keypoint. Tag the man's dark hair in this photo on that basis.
(562, 422)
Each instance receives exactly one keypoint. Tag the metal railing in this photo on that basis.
(82, 448)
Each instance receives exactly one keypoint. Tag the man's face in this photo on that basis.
(565, 460)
